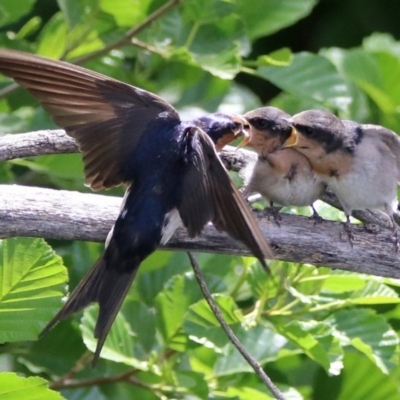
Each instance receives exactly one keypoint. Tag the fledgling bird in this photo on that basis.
(360, 163)
(283, 177)
(131, 136)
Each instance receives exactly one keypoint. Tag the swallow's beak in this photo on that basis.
(244, 130)
(291, 140)
(241, 124)
(245, 141)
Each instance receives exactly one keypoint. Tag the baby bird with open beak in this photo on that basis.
(360, 163)
(283, 177)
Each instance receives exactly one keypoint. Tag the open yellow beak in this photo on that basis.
(291, 140)
(245, 141)
(244, 132)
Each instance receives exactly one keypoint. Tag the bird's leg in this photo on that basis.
(315, 216)
(274, 212)
(348, 229)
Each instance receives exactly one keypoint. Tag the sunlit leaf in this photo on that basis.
(262, 343)
(263, 17)
(363, 380)
(120, 341)
(278, 58)
(311, 76)
(203, 327)
(53, 38)
(127, 13)
(370, 334)
(318, 341)
(32, 284)
(11, 11)
(13, 386)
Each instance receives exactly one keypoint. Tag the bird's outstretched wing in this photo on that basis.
(210, 195)
(105, 116)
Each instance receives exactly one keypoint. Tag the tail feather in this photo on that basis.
(105, 285)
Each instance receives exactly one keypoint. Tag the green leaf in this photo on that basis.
(127, 13)
(278, 58)
(32, 284)
(155, 272)
(203, 327)
(262, 343)
(370, 334)
(142, 320)
(120, 341)
(207, 11)
(173, 303)
(31, 27)
(216, 48)
(362, 380)
(91, 393)
(72, 11)
(57, 351)
(13, 387)
(363, 69)
(317, 341)
(261, 284)
(193, 382)
(379, 42)
(249, 387)
(263, 17)
(67, 166)
(311, 76)
(11, 10)
(356, 289)
(16, 121)
(53, 37)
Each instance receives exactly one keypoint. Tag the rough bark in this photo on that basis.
(58, 214)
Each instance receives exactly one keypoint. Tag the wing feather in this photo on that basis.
(210, 195)
(105, 116)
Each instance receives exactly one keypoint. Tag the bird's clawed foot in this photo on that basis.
(316, 217)
(274, 212)
(371, 228)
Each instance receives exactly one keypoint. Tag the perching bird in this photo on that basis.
(283, 177)
(360, 163)
(131, 136)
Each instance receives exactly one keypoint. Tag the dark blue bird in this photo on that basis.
(133, 137)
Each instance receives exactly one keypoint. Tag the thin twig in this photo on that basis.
(103, 380)
(129, 34)
(82, 362)
(231, 335)
(111, 46)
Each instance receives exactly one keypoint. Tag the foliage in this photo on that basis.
(319, 334)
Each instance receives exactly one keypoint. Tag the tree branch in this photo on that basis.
(60, 214)
(58, 142)
(35, 144)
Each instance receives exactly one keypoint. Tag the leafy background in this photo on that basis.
(319, 334)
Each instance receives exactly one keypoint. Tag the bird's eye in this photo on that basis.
(261, 123)
(308, 131)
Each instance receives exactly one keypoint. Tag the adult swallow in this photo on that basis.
(360, 163)
(283, 177)
(133, 137)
